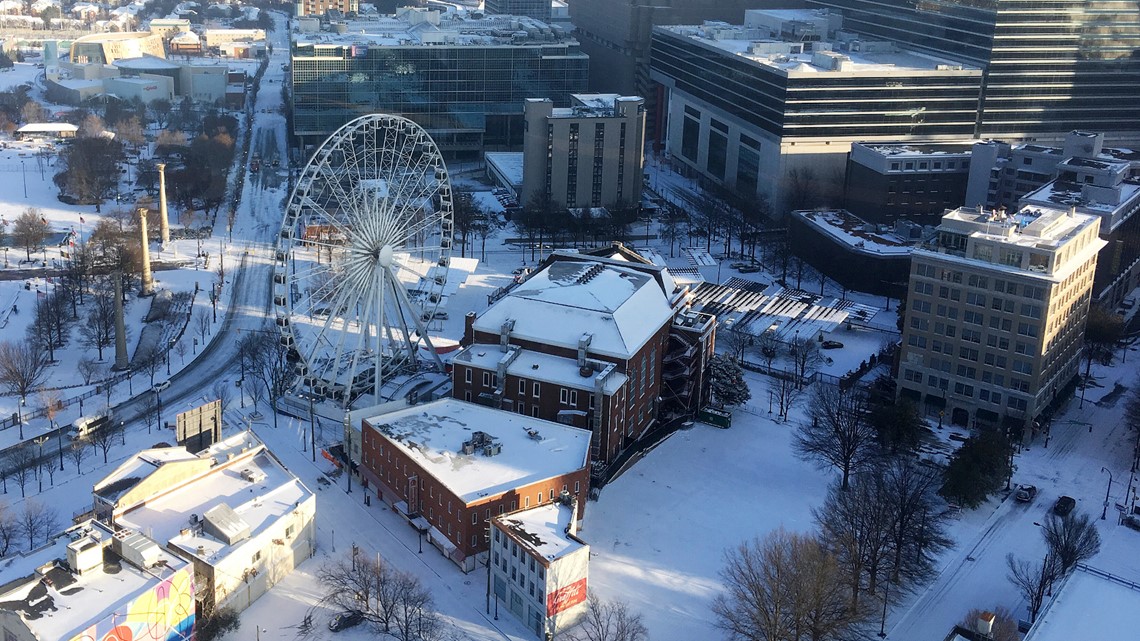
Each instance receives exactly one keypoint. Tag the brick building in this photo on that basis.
(449, 466)
(603, 341)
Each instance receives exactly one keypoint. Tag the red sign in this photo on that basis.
(566, 598)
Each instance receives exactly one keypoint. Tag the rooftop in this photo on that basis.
(622, 307)
(1028, 227)
(543, 530)
(1056, 193)
(417, 28)
(963, 148)
(848, 229)
(66, 604)
(246, 479)
(47, 127)
(433, 434)
(1090, 605)
(787, 57)
(147, 62)
(537, 366)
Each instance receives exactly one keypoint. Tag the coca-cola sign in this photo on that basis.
(566, 597)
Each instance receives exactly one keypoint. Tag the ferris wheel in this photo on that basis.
(362, 257)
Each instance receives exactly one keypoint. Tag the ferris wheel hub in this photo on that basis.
(385, 257)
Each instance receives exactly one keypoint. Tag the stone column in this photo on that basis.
(147, 288)
(162, 203)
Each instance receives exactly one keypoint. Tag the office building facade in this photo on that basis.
(996, 313)
(769, 108)
(1051, 67)
(889, 182)
(464, 80)
(537, 9)
(321, 7)
(586, 155)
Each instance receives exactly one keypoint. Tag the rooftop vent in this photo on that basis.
(534, 435)
(252, 475)
(483, 442)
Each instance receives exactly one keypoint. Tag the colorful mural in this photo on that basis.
(163, 613)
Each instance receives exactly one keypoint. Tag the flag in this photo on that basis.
(81, 221)
(43, 220)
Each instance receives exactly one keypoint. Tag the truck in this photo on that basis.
(255, 164)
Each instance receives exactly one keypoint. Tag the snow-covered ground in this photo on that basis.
(658, 532)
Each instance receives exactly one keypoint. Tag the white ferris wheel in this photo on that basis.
(362, 258)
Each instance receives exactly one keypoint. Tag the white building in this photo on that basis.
(540, 568)
(93, 582)
(233, 511)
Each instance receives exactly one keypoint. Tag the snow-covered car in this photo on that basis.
(832, 345)
(1026, 493)
(1064, 506)
(345, 620)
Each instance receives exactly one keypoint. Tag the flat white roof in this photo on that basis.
(537, 366)
(47, 127)
(622, 308)
(508, 163)
(433, 434)
(73, 603)
(455, 29)
(542, 529)
(1089, 606)
(259, 504)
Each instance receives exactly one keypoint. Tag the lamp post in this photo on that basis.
(24, 175)
(158, 398)
(886, 597)
(1107, 492)
(59, 440)
(21, 416)
(39, 461)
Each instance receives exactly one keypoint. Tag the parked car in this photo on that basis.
(1132, 521)
(345, 620)
(832, 345)
(161, 387)
(749, 269)
(1026, 493)
(1064, 506)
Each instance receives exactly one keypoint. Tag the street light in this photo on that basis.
(21, 416)
(1104, 512)
(886, 597)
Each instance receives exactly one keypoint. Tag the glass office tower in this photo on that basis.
(1051, 66)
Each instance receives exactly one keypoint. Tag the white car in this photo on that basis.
(161, 387)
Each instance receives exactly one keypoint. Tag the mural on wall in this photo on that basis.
(163, 613)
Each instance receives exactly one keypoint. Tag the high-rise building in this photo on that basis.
(769, 108)
(463, 78)
(1051, 67)
(537, 9)
(616, 35)
(585, 155)
(996, 311)
(321, 7)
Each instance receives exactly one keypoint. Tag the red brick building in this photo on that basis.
(449, 466)
(601, 341)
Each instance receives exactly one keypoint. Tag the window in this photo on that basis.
(466, 374)
(474, 540)
(534, 410)
(577, 486)
(551, 494)
(522, 387)
(563, 396)
(526, 501)
(538, 499)
(474, 515)
(486, 379)
(256, 557)
(289, 532)
(573, 397)
(467, 396)
(521, 408)
(536, 390)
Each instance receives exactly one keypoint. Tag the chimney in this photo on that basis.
(985, 624)
(147, 288)
(121, 362)
(572, 527)
(162, 203)
(468, 329)
(583, 348)
(505, 334)
(1072, 211)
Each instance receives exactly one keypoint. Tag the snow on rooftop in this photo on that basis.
(1090, 605)
(542, 529)
(622, 308)
(148, 62)
(508, 163)
(71, 603)
(454, 29)
(47, 127)
(259, 504)
(849, 230)
(138, 467)
(800, 64)
(433, 434)
(537, 366)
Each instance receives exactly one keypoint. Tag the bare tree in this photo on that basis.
(224, 392)
(270, 366)
(23, 368)
(202, 325)
(180, 349)
(23, 461)
(769, 348)
(151, 363)
(367, 585)
(917, 527)
(854, 524)
(99, 330)
(103, 438)
(9, 530)
(77, 452)
(1033, 580)
(414, 618)
(805, 355)
(786, 587)
(88, 369)
(1071, 539)
(837, 432)
(30, 230)
(734, 339)
(150, 411)
(608, 621)
(784, 391)
(38, 522)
